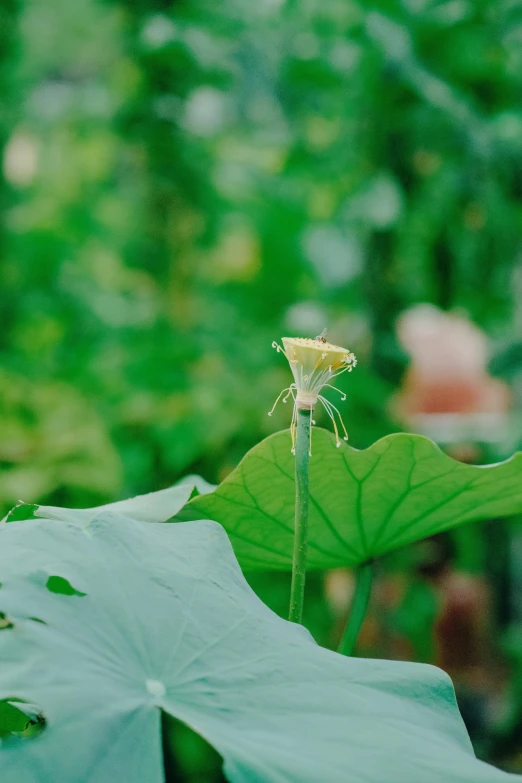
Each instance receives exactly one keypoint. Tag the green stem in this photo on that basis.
(302, 457)
(361, 597)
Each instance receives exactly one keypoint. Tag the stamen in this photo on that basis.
(326, 406)
(340, 419)
(278, 398)
(290, 392)
(330, 408)
(279, 349)
(343, 395)
(320, 358)
(340, 372)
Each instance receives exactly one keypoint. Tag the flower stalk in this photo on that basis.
(314, 363)
(302, 457)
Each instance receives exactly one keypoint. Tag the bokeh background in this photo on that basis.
(183, 182)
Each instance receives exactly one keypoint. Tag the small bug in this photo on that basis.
(322, 336)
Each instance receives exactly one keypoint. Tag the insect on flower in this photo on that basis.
(313, 363)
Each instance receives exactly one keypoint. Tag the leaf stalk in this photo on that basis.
(361, 598)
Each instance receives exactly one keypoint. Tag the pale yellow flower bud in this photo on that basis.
(314, 363)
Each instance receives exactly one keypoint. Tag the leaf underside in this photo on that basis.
(362, 503)
(153, 507)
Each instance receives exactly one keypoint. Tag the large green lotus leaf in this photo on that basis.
(166, 621)
(153, 507)
(362, 503)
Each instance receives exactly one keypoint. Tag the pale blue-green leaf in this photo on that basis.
(200, 485)
(167, 622)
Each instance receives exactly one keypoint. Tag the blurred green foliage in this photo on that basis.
(187, 181)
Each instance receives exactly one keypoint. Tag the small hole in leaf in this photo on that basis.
(61, 586)
(5, 622)
(22, 512)
(187, 757)
(20, 719)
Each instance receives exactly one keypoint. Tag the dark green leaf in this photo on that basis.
(362, 503)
